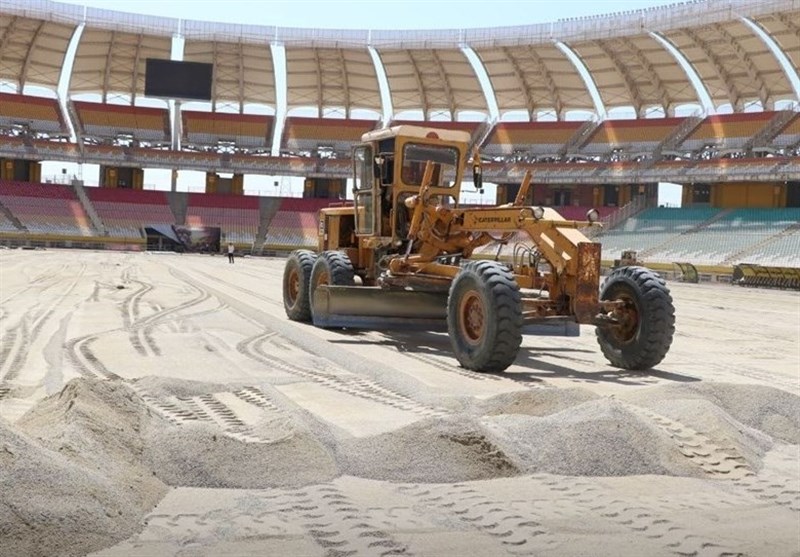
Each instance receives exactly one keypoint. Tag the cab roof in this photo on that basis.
(417, 131)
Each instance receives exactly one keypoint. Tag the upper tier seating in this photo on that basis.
(529, 138)
(125, 212)
(309, 134)
(39, 114)
(48, 209)
(633, 136)
(726, 131)
(209, 128)
(103, 120)
(237, 216)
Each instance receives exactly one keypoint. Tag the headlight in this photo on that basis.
(592, 215)
(538, 212)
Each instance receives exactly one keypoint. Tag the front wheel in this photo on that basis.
(484, 316)
(296, 285)
(645, 323)
(333, 268)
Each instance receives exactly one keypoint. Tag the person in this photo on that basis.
(230, 252)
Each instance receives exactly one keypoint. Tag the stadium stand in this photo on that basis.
(527, 76)
(633, 137)
(106, 153)
(110, 121)
(733, 234)
(709, 236)
(46, 209)
(124, 212)
(237, 216)
(331, 134)
(245, 131)
(529, 139)
(652, 228)
(726, 131)
(13, 144)
(34, 114)
(295, 225)
(576, 212)
(6, 224)
(789, 136)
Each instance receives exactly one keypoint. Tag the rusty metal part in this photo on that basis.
(293, 286)
(472, 317)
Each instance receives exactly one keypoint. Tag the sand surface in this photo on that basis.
(164, 405)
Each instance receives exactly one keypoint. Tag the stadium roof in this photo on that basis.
(530, 68)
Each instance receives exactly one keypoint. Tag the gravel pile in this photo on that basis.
(766, 409)
(73, 479)
(534, 402)
(432, 450)
(81, 469)
(198, 456)
(596, 438)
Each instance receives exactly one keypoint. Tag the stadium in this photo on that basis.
(155, 400)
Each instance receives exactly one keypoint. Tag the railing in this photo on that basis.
(634, 206)
(762, 138)
(480, 135)
(673, 140)
(580, 137)
(97, 222)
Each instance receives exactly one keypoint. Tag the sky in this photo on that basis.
(372, 15)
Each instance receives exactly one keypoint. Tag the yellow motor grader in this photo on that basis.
(404, 256)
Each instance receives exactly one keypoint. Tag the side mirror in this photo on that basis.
(477, 176)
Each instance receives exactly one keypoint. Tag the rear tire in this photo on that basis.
(332, 268)
(296, 283)
(484, 316)
(647, 320)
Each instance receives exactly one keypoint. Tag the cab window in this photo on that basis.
(415, 156)
(363, 179)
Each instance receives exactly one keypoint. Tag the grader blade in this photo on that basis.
(374, 308)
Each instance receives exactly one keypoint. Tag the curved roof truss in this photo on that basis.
(334, 78)
(733, 62)
(32, 51)
(534, 78)
(111, 62)
(428, 70)
(433, 80)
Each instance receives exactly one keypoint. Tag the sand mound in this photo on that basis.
(199, 456)
(433, 450)
(536, 402)
(164, 387)
(81, 448)
(108, 456)
(596, 438)
(92, 512)
(769, 410)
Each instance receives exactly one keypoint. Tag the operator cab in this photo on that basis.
(389, 168)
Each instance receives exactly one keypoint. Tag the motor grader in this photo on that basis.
(406, 255)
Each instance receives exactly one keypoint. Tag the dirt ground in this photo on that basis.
(162, 404)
